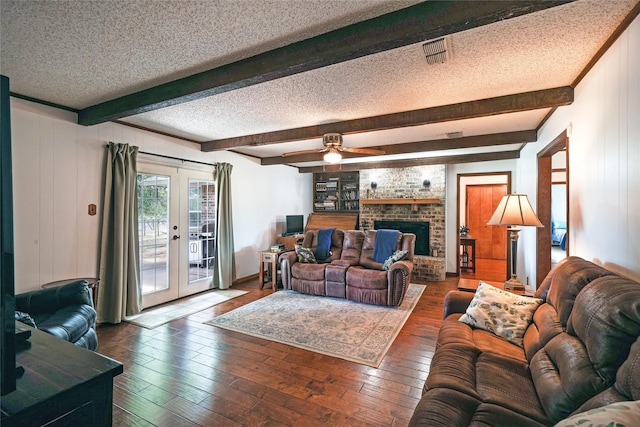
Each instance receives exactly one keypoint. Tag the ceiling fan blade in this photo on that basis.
(372, 151)
(295, 153)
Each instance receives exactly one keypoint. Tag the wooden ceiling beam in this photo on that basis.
(410, 25)
(518, 137)
(442, 160)
(535, 100)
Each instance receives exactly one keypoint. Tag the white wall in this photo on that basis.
(604, 161)
(58, 171)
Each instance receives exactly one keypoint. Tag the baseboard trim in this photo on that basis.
(245, 279)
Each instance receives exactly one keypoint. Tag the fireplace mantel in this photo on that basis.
(415, 203)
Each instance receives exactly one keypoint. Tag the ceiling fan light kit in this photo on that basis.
(333, 156)
(333, 148)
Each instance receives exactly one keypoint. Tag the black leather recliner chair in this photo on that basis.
(66, 312)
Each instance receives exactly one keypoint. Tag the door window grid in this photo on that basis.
(153, 231)
(202, 216)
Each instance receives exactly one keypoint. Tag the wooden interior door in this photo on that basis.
(482, 201)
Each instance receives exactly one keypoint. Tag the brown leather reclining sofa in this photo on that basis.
(351, 272)
(580, 352)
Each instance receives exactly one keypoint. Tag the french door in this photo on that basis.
(176, 228)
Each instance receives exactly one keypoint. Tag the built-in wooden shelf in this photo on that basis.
(415, 203)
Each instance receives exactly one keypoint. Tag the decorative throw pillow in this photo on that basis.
(396, 256)
(619, 414)
(305, 255)
(23, 317)
(504, 314)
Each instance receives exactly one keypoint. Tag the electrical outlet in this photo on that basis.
(92, 209)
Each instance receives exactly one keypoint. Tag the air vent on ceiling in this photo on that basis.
(436, 50)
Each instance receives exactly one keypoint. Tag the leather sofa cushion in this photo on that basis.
(567, 281)
(306, 271)
(559, 288)
(352, 246)
(444, 407)
(88, 340)
(364, 278)
(607, 334)
(366, 255)
(51, 299)
(454, 332)
(311, 287)
(69, 323)
(503, 313)
(544, 326)
(582, 362)
(628, 376)
(487, 377)
(311, 241)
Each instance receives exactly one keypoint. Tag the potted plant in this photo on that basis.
(464, 230)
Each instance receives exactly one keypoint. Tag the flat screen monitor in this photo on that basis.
(294, 225)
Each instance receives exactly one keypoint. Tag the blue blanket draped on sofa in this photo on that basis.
(323, 250)
(384, 245)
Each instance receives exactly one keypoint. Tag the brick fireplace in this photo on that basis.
(407, 183)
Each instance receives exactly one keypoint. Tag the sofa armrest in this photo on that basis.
(405, 266)
(399, 277)
(286, 260)
(50, 300)
(457, 302)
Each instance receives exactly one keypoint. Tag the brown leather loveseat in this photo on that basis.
(350, 271)
(580, 352)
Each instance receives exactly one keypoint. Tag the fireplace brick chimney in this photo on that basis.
(408, 183)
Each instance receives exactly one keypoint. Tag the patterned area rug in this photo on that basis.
(336, 327)
(183, 307)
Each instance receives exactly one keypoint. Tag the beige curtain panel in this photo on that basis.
(224, 267)
(120, 294)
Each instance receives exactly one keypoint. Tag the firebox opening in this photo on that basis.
(420, 229)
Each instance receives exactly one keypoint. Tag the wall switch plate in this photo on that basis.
(92, 209)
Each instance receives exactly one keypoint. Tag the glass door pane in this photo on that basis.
(153, 231)
(201, 207)
(159, 234)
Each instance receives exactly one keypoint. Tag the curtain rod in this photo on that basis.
(177, 158)
(174, 158)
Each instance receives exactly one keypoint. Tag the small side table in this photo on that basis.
(269, 258)
(468, 254)
(92, 282)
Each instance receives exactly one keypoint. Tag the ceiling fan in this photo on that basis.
(333, 147)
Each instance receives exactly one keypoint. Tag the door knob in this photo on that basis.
(176, 237)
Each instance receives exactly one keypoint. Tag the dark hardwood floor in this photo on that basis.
(186, 373)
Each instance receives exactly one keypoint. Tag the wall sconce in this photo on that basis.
(426, 183)
(374, 185)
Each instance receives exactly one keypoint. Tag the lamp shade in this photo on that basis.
(514, 209)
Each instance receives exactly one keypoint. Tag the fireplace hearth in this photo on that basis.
(419, 228)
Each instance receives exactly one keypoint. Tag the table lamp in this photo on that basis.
(514, 210)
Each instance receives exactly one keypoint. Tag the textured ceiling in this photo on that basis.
(81, 53)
